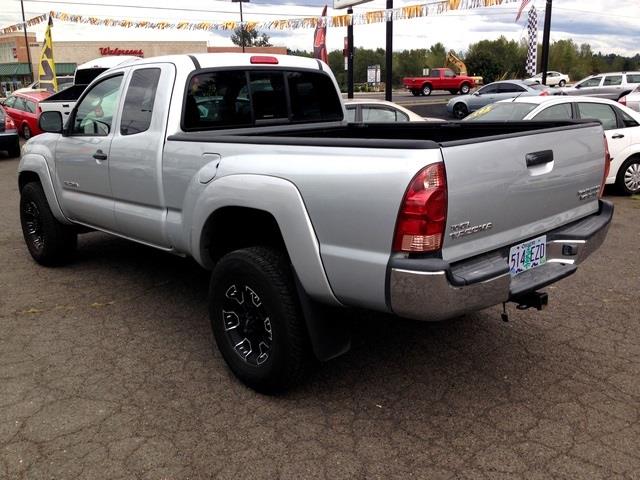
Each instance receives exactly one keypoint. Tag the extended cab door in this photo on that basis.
(135, 159)
(82, 156)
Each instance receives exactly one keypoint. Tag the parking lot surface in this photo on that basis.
(107, 372)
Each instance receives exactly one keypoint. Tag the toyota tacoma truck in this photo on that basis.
(439, 79)
(245, 163)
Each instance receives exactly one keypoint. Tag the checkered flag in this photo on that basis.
(532, 53)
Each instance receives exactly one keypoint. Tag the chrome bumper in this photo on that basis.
(435, 291)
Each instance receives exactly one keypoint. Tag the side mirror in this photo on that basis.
(577, 87)
(476, 93)
(50, 122)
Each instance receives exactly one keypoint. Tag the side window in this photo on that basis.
(268, 95)
(599, 111)
(401, 117)
(217, 100)
(509, 88)
(612, 80)
(313, 97)
(19, 104)
(378, 115)
(30, 106)
(449, 73)
(138, 103)
(626, 119)
(591, 82)
(94, 114)
(557, 112)
(488, 89)
(351, 114)
(633, 78)
(434, 73)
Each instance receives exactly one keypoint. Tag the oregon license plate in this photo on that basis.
(528, 255)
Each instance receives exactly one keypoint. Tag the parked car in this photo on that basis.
(621, 127)
(632, 100)
(462, 105)
(613, 85)
(24, 108)
(554, 79)
(9, 140)
(378, 111)
(301, 215)
(439, 79)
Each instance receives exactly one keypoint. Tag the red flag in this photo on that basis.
(522, 7)
(320, 40)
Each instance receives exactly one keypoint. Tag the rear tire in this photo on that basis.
(426, 90)
(256, 319)
(26, 132)
(49, 242)
(464, 89)
(562, 83)
(628, 180)
(460, 110)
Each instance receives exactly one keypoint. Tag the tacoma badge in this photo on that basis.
(463, 229)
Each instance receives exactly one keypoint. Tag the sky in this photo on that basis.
(609, 26)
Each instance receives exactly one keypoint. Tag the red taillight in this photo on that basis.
(544, 93)
(423, 213)
(9, 124)
(264, 59)
(623, 100)
(607, 165)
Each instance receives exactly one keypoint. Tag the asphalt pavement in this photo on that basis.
(107, 371)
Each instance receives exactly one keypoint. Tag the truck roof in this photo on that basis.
(212, 60)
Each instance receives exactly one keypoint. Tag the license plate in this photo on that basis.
(528, 255)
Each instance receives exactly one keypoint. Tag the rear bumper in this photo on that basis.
(9, 139)
(432, 289)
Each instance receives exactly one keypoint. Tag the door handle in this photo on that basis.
(539, 158)
(100, 155)
(619, 135)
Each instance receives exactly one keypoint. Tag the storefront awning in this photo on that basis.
(20, 69)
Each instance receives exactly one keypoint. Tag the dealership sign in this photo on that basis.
(121, 51)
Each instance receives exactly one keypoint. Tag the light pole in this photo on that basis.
(545, 42)
(389, 55)
(241, 24)
(26, 42)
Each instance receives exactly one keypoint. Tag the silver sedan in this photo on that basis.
(463, 105)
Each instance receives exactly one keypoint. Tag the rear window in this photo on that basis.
(236, 98)
(502, 112)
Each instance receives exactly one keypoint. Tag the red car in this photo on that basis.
(439, 79)
(25, 110)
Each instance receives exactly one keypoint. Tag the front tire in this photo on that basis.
(628, 181)
(562, 83)
(49, 242)
(256, 319)
(26, 132)
(460, 111)
(464, 89)
(426, 90)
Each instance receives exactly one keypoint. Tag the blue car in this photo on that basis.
(463, 105)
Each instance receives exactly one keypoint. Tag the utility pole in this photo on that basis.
(26, 42)
(545, 42)
(242, 41)
(350, 55)
(389, 55)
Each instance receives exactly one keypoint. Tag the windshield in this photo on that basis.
(502, 112)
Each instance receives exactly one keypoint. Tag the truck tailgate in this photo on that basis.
(506, 189)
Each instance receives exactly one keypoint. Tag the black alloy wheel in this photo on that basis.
(32, 226)
(460, 111)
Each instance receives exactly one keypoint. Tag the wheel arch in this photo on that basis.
(33, 168)
(229, 215)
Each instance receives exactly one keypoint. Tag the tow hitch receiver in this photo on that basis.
(537, 300)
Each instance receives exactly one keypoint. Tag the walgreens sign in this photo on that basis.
(121, 51)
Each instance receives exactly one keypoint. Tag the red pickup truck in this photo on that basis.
(439, 79)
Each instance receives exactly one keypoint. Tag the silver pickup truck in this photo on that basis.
(245, 163)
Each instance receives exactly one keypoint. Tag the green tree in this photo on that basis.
(436, 56)
(495, 59)
(252, 38)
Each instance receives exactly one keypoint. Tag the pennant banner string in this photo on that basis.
(359, 18)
